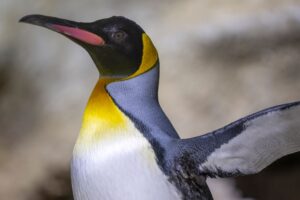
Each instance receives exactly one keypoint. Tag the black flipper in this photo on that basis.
(246, 146)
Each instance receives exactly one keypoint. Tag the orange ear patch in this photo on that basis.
(149, 58)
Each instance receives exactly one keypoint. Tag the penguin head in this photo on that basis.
(118, 46)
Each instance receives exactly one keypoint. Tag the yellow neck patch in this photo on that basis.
(149, 58)
(102, 118)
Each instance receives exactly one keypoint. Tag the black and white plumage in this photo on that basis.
(128, 149)
(243, 147)
(250, 144)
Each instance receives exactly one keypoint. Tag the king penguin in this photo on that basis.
(128, 149)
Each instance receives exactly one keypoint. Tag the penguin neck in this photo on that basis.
(137, 98)
(102, 118)
(120, 106)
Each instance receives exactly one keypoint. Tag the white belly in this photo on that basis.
(120, 168)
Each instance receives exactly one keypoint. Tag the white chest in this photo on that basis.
(120, 168)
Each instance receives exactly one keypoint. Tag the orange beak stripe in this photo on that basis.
(79, 34)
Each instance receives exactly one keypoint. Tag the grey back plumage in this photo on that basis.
(243, 147)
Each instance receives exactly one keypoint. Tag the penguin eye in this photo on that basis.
(119, 36)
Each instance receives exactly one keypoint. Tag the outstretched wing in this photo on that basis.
(248, 145)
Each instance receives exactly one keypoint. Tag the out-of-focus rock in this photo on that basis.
(57, 187)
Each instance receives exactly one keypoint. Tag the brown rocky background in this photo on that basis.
(220, 60)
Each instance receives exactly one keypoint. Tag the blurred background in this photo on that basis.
(220, 60)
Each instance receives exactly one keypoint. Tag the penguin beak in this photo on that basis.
(74, 30)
